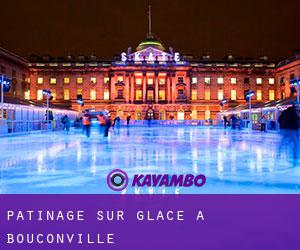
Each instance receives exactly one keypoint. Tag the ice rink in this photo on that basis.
(233, 161)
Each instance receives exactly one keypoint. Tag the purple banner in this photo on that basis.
(150, 222)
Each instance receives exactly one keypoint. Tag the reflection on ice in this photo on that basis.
(235, 162)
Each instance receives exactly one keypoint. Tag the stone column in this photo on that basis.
(188, 88)
(127, 93)
(144, 87)
(169, 82)
(173, 84)
(112, 88)
(156, 87)
(132, 90)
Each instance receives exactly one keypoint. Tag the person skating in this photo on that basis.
(225, 121)
(128, 120)
(107, 125)
(263, 123)
(102, 122)
(86, 122)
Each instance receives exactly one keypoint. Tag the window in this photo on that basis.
(194, 94)
(207, 80)
(150, 95)
(161, 95)
(120, 94)
(79, 80)
(138, 81)
(93, 94)
(271, 95)
(40, 80)
(52, 80)
(271, 80)
(138, 95)
(180, 79)
(194, 115)
(53, 93)
(220, 94)
(106, 79)
(150, 81)
(162, 81)
(259, 95)
(207, 114)
(233, 94)
(66, 80)
(27, 95)
(233, 80)
(66, 94)
(93, 80)
(282, 80)
(246, 80)
(39, 95)
(220, 80)
(194, 80)
(106, 94)
(180, 92)
(207, 95)
(79, 91)
(120, 78)
(258, 80)
(180, 115)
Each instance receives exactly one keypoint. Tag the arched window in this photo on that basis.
(194, 115)
(138, 115)
(180, 115)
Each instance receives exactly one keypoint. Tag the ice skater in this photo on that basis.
(128, 120)
(107, 125)
(116, 124)
(225, 121)
(86, 122)
(101, 120)
(263, 124)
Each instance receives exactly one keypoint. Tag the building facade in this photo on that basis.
(16, 69)
(155, 82)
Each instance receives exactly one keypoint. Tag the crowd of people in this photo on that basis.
(105, 123)
(288, 119)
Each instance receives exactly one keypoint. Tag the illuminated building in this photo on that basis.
(157, 82)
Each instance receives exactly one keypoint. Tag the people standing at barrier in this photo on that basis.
(86, 122)
(289, 129)
(101, 120)
(263, 123)
(107, 125)
(128, 120)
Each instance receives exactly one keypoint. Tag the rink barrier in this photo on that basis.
(29, 126)
(170, 123)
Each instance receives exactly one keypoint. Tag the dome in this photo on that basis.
(150, 42)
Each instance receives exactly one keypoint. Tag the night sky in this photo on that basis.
(244, 28)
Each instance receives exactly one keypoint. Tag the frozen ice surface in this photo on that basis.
(234, 162)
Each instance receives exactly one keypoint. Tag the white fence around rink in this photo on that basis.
(26, 118)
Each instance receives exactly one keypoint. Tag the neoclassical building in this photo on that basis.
(153, 81)
(150, 81)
